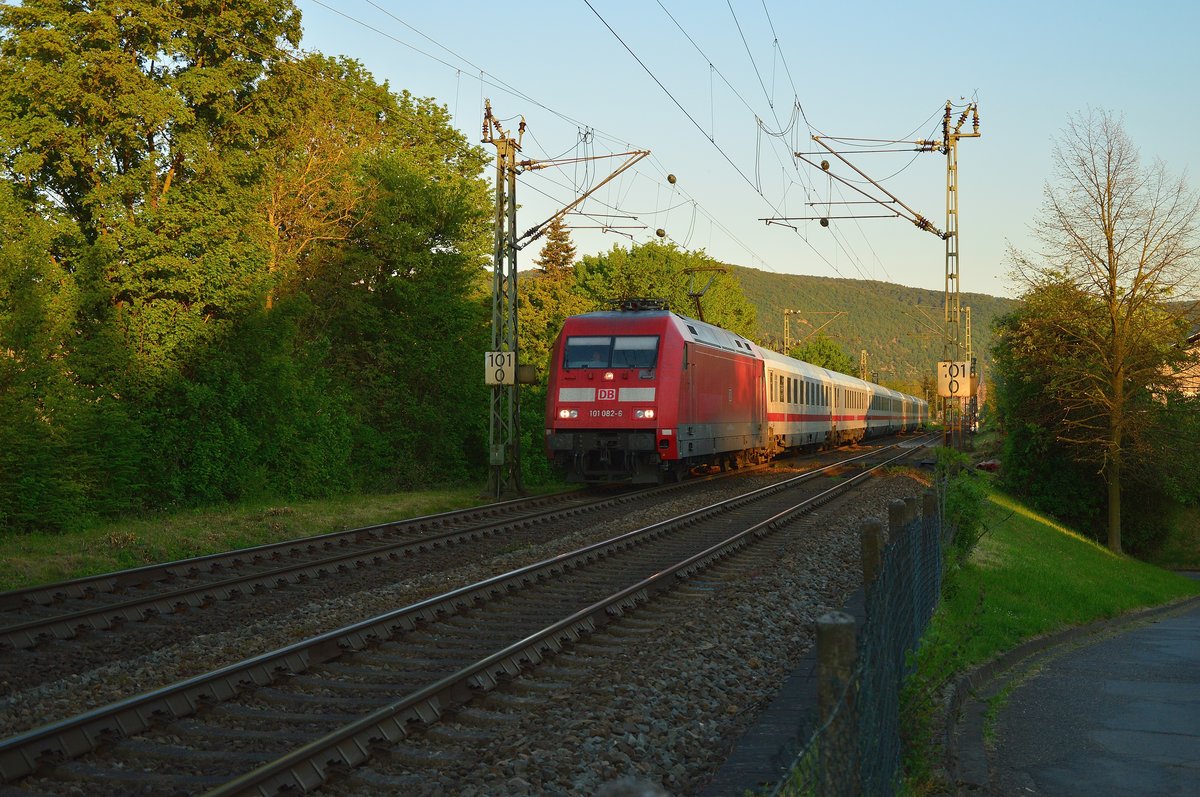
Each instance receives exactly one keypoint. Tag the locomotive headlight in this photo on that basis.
(568, 413)
(643, 413)
(608, 376)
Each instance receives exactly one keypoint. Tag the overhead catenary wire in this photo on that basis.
(716, 223)
(714, 70)
(700, 128)
(491, 80)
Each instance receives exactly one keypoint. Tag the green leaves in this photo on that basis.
(665, 271)
(821, 351)
(225, 271)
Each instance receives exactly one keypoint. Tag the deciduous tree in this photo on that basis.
(1119, 244)
(662, 271)
(826, 353)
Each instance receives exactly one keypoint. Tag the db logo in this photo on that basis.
(606, 394)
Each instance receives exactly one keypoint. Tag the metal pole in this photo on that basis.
(504, 437)
(514, 390)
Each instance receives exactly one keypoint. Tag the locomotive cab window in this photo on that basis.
(623, 351)
(635, 351)
(587, 352)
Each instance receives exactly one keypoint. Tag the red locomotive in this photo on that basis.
(640, 394)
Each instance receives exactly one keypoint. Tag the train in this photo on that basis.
(642, 395)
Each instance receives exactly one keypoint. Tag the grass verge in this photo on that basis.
(40, 558)
(1028, 576)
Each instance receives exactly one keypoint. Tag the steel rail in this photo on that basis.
(65, 626)
(186, 568)
(21, 755)
(307, 767)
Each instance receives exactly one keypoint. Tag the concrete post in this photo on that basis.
(896, 512)
(872, 540)
(913, 506)
(836, 653)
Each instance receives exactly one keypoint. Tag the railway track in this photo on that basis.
(54, 630)
(286, 719)
(63, 610)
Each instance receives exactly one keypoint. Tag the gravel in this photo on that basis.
(667, 691)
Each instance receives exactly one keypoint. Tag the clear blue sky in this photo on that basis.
(868, 69)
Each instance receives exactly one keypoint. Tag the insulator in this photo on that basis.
(671, 179)
(824, 222)
(825, 166)
(660, 232)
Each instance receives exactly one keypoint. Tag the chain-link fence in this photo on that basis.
(861, 667)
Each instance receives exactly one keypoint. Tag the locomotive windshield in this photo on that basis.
(622, 351)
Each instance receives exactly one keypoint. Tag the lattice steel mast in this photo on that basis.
(504, 438)
(502, 370)
(948, 146)
(953, 348)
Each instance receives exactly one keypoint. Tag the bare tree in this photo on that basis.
(1121, 237)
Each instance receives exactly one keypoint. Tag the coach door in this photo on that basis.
(833, 413)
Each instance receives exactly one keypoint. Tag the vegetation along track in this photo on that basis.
(289, 717)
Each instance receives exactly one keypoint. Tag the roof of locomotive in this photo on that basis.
(688, 328)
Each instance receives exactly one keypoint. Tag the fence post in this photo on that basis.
(872, 540)
(896, 511)
(932, 547)
(836, 654)
(913, 505)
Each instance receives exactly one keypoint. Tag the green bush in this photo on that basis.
(961, 494)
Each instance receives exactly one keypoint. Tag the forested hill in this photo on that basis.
(897, 325)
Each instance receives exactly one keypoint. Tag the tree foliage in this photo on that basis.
(223, 272)
(1119, 240)
(548, 296)
(665, 271)
(558, 253)
(1037, 464)
(825, 353)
